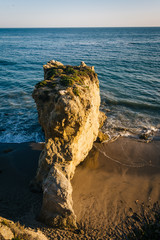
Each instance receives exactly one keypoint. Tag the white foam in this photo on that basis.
(21, 137)
(121, 126)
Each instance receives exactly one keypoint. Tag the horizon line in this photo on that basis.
(80, 27)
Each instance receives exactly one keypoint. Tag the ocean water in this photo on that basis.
(127, 61)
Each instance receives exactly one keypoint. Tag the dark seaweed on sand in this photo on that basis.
(142, 226)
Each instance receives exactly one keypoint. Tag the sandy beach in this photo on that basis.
(113, 180)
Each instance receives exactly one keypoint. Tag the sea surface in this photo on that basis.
(127, 61)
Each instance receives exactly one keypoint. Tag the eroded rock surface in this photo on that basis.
(12, 231)
(68, 103)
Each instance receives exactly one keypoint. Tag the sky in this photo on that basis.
(83, 13)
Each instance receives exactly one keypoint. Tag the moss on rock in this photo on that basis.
(76, 91)
(46, 83)
(67, 76)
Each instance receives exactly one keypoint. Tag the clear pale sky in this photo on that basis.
(82, 13)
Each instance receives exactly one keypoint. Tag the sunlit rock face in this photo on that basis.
(68, 101)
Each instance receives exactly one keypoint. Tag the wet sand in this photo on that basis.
(113, 179)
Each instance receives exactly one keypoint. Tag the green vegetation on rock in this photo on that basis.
(70, 70)
(67, 76)
(67, 80)
(46, 83)
(76, 91)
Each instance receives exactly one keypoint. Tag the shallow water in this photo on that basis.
(127, 61)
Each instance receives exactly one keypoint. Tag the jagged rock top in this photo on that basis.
(60, 77)
(69, 91)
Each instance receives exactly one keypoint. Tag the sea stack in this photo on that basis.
(68, 101)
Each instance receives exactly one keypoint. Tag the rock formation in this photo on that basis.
(68, 101)
(12, 231)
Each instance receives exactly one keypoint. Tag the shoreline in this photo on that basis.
(112, 179)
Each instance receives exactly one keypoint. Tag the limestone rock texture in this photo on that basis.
(68, 101)
(10, 230)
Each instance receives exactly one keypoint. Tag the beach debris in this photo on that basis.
(144, 136)
(148, 134)
(144, 224)
(8, 150)
(68, 101)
